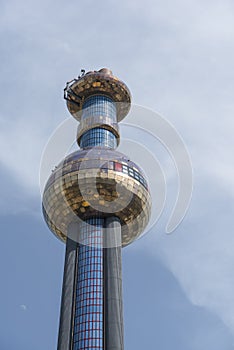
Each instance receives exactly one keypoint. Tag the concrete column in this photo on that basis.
(68, 289)
(113, 307)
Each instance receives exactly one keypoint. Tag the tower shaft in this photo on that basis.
(91, 315)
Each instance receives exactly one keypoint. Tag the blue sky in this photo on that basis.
(177, 59)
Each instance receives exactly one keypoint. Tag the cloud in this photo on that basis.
(200, 252)
(23, 307)
(177, 58)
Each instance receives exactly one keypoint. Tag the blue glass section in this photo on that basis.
(99, 105)
(88, 321)
(98, 137)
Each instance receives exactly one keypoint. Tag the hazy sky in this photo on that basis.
(177, 59)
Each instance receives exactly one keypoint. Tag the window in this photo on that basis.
(125, 169)
(99, 105)
(98, 137)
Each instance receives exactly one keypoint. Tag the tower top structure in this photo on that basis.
(97, 181)
(95, 83)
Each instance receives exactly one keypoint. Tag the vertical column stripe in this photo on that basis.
(88, 324)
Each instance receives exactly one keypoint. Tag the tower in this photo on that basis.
(96, 201)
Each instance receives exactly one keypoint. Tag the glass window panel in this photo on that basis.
(89, 297)
(99, 105)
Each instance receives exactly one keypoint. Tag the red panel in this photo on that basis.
(118, 167)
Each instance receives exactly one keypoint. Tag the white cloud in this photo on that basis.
(23, 307)
(177, 57)
(200, 252)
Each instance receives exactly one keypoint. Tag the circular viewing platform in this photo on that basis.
(93, 83)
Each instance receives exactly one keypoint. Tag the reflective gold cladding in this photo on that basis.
(64, 203)
(98, 83)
